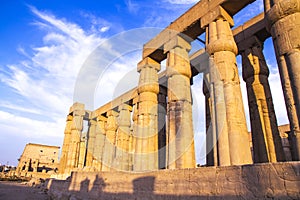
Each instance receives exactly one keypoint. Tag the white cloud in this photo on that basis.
(45, 80)
(132, 6)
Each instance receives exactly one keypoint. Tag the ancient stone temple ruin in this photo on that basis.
(150, 128)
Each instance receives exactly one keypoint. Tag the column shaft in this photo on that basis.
(122, 138)
(91, 143)
(66, 145)
(267, 146)
(223, 50)
(180, 133)
(283, 19)
(147, 133)
(100, 144)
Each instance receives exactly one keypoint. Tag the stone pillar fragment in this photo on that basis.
(110, 141)
(66, 145)
(147, 134)
(267, 146)
(233, 142)
(91, 137)
(76, 130)
(181, 153)
(123, 137)
(283, 18)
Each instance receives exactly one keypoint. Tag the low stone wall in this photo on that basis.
(259, 181)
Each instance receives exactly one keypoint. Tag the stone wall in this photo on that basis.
(259, 181)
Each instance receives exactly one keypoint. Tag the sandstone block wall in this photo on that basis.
(259, 181)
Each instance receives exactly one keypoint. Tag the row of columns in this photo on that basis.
(155, 129)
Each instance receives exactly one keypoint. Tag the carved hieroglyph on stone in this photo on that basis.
(283, 17)
(180, 149)
(232, 134)
(265, 134)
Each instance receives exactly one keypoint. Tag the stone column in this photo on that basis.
(283, 18)
(123, 137)
(91, 139)
(147, 133)
(267, 146)
(110, 141)
(162, 108)
(209, 135)
(99, 143)
(66, 145)
(76, 129)
(82, 150)
(233, 138)
(180, 128)
(136, 141)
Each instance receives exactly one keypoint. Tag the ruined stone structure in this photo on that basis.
(38, 159)
(151, 126)
(113, 142)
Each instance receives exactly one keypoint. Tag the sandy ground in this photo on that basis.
(18, 191)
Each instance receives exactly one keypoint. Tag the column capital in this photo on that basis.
(101, 118)
(215, 14)
(148, 62)
(177, 41)
(112, 113)
(125, 106)
(280, 9)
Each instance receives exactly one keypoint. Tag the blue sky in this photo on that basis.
(46, 44)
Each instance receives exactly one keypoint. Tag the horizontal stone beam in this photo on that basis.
(198, 60)
(254, 27)
(189, 24)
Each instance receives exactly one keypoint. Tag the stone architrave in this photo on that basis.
(283, 20)
(232, 134)
(91, 138)
(146, 155)
(123, 137)
(267, 146)
(180, 152)
(66, 145)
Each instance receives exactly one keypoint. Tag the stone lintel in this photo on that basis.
(177, 41)
(76, 106)
(255, 27)
(199, 60)
(148, 62)
(214, 14)
(189, 24)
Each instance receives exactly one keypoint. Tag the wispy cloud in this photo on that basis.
(132, 6)
(44, 80)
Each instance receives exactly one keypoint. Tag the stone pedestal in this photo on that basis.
(267, 146)
(232, 134)
(180, 139)
(283, 17)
